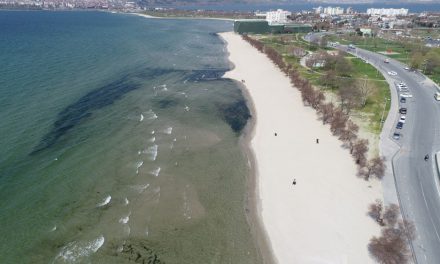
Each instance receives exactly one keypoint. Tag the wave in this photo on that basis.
(151, 152)
(138, 165)
(151, 115)
(126, 201)
(168, 130)
(142, 118)
(125, 219)
(77, 250)
(155, 172)
(152, 132)
(140, 188)
(187, 108)
(152, 140)
(105, 201)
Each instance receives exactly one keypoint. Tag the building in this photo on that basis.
(259, 26)
(278, 17)
(333, 11)
(387, 11)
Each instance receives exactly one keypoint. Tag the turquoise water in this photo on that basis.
(119, 142)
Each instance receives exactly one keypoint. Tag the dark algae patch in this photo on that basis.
(235, 114)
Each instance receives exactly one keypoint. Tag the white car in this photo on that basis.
(402, 119)
(392, 73)
(403, 89)
(406, 95)
(406, 68)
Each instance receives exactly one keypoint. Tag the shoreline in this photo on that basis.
(192, 18)
(291, 215)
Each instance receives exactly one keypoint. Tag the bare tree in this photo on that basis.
(375, 211)
(349, 96)
(376, 167)
(360, 149)
(326, 111)
(364, 91)
(391, 214)
(349, 134)
(337, 124)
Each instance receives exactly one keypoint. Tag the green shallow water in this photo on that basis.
(118, 143)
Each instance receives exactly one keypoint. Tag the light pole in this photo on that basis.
(383, 112)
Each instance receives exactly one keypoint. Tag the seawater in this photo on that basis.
(119, 141)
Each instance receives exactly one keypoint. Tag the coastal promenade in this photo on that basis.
(322, 217)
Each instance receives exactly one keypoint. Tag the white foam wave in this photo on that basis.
(151, 115)
(126, 201)
(53, 229)
(151, 152)
(125, 219)
(105, 201)
(140, 188)
(168, 130)
(155, 172)
(138, 165)
(142, 118)
(152, 140)
(77, 250)
(187, 108)
(152, 132)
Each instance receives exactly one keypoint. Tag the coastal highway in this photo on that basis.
(416, 180)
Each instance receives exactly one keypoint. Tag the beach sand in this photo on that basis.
(323, 218)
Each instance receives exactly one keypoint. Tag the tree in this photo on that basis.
(375, 211)
(376, 167)
(391, 215)
(432, 62)
(349, 134)
(343, 66)
(360, 149)
(416, 60)
(364, 91)
(392, 247)
(326, 110)
(337, 124)
(323, 42)
(349, 96)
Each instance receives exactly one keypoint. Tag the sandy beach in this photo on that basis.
(322, 218)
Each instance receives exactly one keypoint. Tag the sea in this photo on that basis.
(120, 141)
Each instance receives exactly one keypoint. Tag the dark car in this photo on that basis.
(403, 110)
(399, 125)
(402, 99)
(396, 136)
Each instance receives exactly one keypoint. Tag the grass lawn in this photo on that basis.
(373, 110)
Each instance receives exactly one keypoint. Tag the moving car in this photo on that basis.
(396, 136)
(402, 100)
(399, 125)
(406, 68)
(386, 61)
(392, 73)
(403, 110)
(437, 96)
(407, 95)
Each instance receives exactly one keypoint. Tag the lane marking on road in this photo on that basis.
(429, 212)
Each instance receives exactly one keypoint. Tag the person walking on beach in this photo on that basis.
(294, 182)
(317, 141)
(276, 134)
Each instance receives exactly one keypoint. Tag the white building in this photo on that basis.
(278, 16)
(318, 10)
(333, 11)
(387, 11)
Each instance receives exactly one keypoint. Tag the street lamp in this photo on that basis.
(383, 112)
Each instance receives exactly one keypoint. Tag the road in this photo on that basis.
(416, 181)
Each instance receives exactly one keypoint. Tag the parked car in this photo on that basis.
(402, 119)
(386, 61)
(396, 136)
(403, 110)
(399, 125)
(406, 68)
(402, 100)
